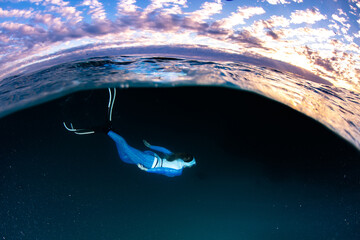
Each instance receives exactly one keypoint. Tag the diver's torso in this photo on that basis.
(162, 162)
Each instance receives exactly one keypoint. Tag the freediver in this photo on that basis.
(160, 160)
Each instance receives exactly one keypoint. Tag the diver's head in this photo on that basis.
(188, 159)
(190, 163)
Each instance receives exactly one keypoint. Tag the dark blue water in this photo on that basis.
(264, 171)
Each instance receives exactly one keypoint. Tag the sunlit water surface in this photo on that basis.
(338, 109)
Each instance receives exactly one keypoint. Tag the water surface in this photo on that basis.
(336, 108)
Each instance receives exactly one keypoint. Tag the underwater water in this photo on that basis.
(264, 170)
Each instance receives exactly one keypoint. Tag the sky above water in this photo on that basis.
(320, 36)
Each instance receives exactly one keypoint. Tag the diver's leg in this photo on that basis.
(122, 146)
(129, 154)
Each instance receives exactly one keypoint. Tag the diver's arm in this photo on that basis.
(142, 167)
(169, 172)
(157, 148)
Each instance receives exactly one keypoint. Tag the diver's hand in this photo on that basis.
(142, 167)
(146, 143)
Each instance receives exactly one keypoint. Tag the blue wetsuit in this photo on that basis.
(149, 160)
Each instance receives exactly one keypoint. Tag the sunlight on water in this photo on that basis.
(336, 108)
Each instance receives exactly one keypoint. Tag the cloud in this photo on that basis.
(277, 21)
(60, 3)
(17, 13)
(357, 2)
(275, 2)
(357, 35)
(316, 59)
(4, 39)
(19, 29)
(341, 12)
(151, 21)
(126, 7)
(345, 26)
(206, 10)
(176, 23)
(354, 9)
(44, 2)
(283, 43)
(272, 27)
(307, 35)
(70, 13)
(96, 11)
(104, 27)
(334, 25)
(306, 16)
(168, 6)
(239, 16)
(341, 20)
(339, 66)
(273, 34)
(244, 37)
(49, 20)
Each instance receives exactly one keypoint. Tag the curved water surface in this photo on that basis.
(336, 108)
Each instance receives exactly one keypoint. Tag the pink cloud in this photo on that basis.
(60, 3)
(341, 20)
(275, 2)
(17, 13)
(206, 10)
(96, 11)
(307, 16)
(277, 21)
(239, 16)
(126, 7)
(70, 13)
(165, 5)
(49, 20)
(20, 28)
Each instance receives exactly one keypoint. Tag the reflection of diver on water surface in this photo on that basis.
(160, 160)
